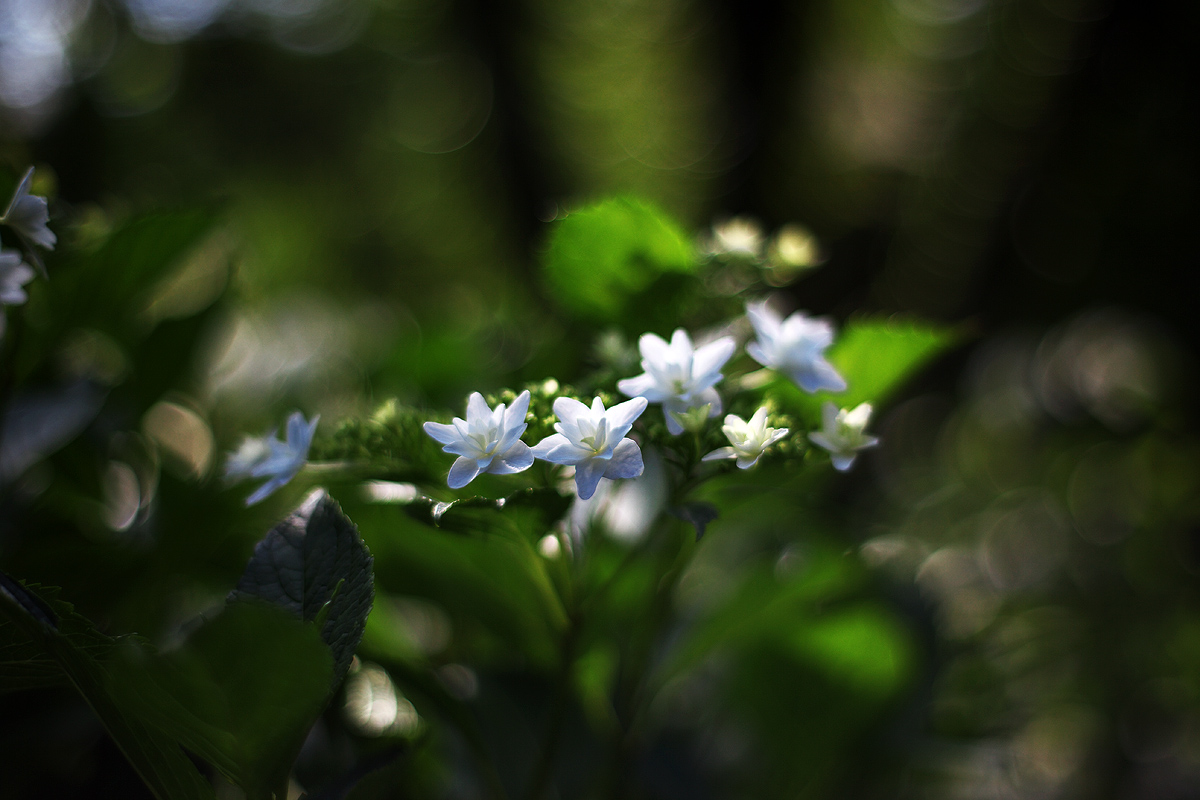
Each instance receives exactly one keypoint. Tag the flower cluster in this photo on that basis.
(26, 216)
(680, 377)
(594, 440)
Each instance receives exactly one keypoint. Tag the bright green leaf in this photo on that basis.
(876, 357)
(600, 256)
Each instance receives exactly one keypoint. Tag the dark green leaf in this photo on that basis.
(241, 693)
(602, 255)
(160, 762)
(315, 564)
(535, 510)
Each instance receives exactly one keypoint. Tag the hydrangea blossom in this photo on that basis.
(488, 440)
(795, 346)
(593, 441)
(679, 376)
(842, 433)
(740, 236)
(269, 457)
(14, 274)
(748, 440)
(27, 214)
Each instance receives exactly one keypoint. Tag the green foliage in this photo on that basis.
(158, 759)
(315, 566)
(876, 357)
(241, 693)
(602, 256)
(496, 588)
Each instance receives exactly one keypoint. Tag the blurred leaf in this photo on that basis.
(105, 287)
(875, 356)
(315, 565)
(241, 693)
(601, 256)
(764, 606)
(496, 588)
(160, 762)
(862, 646)
(37, 423)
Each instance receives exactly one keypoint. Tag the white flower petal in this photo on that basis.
(709, 359)
(463, 472)
(516, 413)
(587, 475)
(441, 432)
(719, 453)
(626, 461)
(558, 449)
(842, 461)
(653, 348)
(569, 410)
(621, 417)
(517, 458)
(478, 411)
(643, 385)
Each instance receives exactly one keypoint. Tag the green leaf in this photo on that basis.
(241, 693)
(159, 761)
(532, 511)
(314, 564)
(106, 288)
(496, 588)
(602, 255)
(875, 356)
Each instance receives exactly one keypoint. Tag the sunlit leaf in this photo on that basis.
(876, 357)
(600, 256)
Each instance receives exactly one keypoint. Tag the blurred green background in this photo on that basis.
(362, 191)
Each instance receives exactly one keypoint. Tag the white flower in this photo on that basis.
(268, 457)
(740, 236)
(593, 441)
(795, 346)
(28, 214)
(14, 274)
(486, 441)
(748, 440)
(842, 433)
(679, 376)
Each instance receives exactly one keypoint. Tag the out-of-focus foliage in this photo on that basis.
(368, 209)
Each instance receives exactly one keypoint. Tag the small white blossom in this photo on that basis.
(593, 441)
(269, 457)
(679, 376)
(740, 236)
(748, 440)
(27, 214)
(14, 274)
(488, 440)
(795, 346)
(842, 433)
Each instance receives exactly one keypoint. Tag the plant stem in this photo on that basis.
(540, 780)
(8, 365)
